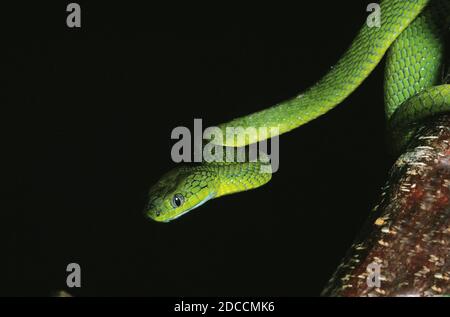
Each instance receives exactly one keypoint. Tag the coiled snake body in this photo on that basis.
(412, 32)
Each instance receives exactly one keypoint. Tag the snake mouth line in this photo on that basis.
(210, 196)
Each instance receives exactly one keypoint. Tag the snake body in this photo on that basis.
(413, 33)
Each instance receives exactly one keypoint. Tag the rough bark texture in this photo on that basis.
(408, 234)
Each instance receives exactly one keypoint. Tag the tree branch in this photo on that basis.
(408, 233)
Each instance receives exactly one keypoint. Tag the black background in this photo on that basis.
(87, 117)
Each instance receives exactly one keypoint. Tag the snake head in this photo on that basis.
(178, 192)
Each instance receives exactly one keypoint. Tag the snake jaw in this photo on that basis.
(209, 197)
(159, 214)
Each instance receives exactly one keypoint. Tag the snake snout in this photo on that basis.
(153, 209)
(149, 209)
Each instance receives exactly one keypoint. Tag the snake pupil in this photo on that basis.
(177, 200)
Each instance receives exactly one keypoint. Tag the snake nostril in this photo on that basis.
(150, 208)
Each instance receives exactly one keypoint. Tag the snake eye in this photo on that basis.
(157, 213)
(177, 200)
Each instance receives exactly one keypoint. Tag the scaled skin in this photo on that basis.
(416, 27)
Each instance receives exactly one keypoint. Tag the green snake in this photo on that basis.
(413, 34)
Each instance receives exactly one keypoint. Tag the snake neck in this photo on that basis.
(236, 177)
